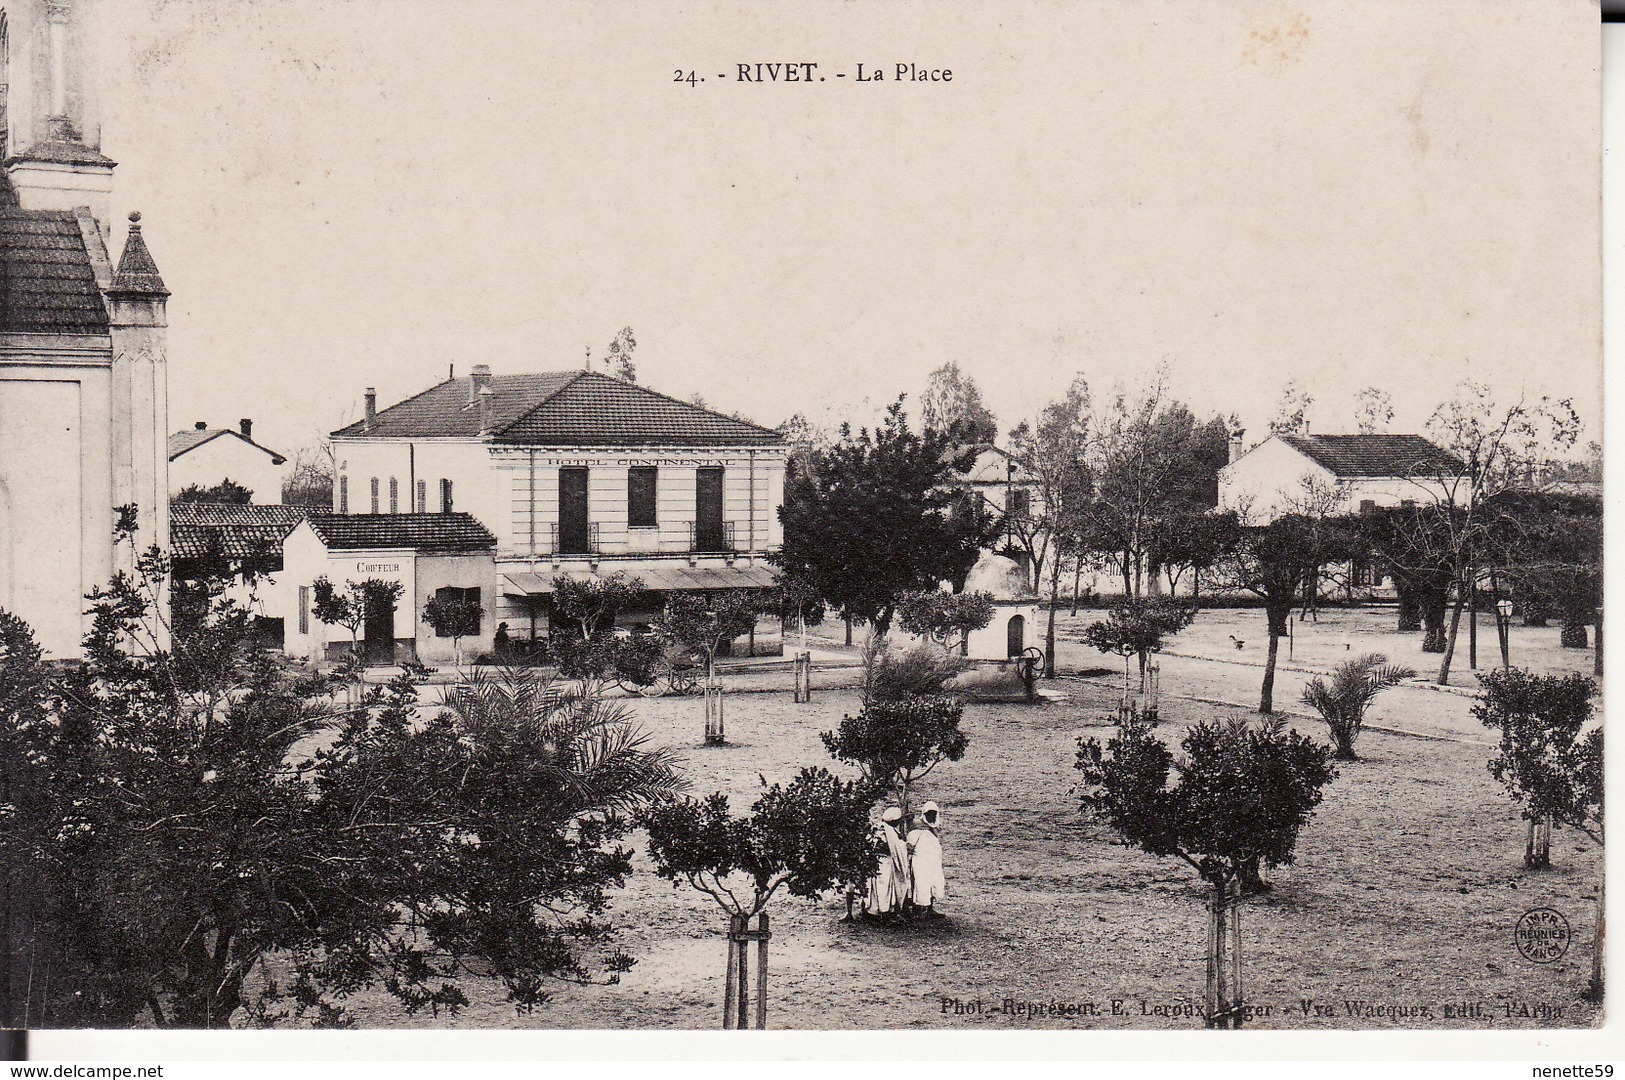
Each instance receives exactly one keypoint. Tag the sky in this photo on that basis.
(344, 195)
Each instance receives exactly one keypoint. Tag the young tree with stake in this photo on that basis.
(808, 838)
(896, 744)
(455, 616)
(1237, 799)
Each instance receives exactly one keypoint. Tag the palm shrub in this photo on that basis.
(1342, 702)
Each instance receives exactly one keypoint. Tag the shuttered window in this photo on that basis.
(641, 484)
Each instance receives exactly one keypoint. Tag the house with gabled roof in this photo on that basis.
(1330, 474)
(203, 456)
(573, 473)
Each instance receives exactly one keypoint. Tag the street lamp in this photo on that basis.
(1503, 626)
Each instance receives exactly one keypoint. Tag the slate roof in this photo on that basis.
(1375, 455)
(561, 408)
(47, 282)
(230, 529)
(192, 438)
(419, 532)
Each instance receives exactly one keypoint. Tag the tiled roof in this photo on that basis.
(137, 273)
(561, 408)
(192, 438)
(1375, 455)
(47, 283)
(230, 529)
(419, 532)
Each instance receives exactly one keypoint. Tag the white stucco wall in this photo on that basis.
(1269, 480)
(226, 457)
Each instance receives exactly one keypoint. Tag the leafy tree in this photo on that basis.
(1149, 459)
(809, 837)
(952, 406)
(1550, 760)
(1273, 562)
(210, 864)
(350, 608)
(1139, 625)
(1054, 453)
(454, 615)
(1416, 546)
(1497, 447)
(618, 357)
(592, 603)
(896, 744)
(226, 491)
(868, 519)
(1193, 540)
(944, 616)
(1373, 411)
(1291, 410)
(1342, 702)
(1550, 757)
(1236, 800)
(705, 622)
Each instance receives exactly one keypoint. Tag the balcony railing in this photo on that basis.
(589, 548)
(711, 540)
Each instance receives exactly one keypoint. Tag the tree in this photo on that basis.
(1550, 760)
(868, 518)
(1494, 448)
(226, 491)
(228, 847)
(1291, 410)
(1140, 627)
(1054, 453)
(1550, 757)
(896, 744)
(454, 615)
(1236, 800)
(705, 622)
(809, 837)
(943, 617)
(593, 602)
(952, 406)
(618, 357)
(351, 607)
(1373, 411)
(1149, 459)
(1194, 540)
(1416, 546)
(1342, 702)
(1273, 561)
(309, 481)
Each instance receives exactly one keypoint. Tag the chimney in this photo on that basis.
(1235, 444)
(1305, 430)
(200, 425)
(479, 378)
(486, 394)
(246, 426)
(372, 410)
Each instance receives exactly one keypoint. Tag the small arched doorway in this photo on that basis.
(1015, 636)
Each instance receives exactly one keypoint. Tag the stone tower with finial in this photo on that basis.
(83, 365)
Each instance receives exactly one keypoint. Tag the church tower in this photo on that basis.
(83, 370)
(52, 127)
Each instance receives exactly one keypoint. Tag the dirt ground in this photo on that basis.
(1400, 911)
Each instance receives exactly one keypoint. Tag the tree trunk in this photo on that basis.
(1574, 636)
(761, 971)
(1266, 698)
(1410, 611)
(1450, 642)
(1077, 583)
(1594, 991)
(1472, 619)
(849, 629)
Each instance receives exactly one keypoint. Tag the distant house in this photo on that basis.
(1333, 474)
(572, 473)
(428, 555)
(998, 486)
(211, 538)
(204, 456)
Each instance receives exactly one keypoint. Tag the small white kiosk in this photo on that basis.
(1015, 609)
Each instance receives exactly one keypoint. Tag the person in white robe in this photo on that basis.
(929, 884)
(888, 887)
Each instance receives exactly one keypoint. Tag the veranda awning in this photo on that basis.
(655, 579)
